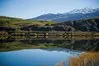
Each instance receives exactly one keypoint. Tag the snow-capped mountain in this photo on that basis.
(75, 14)
(84, 10)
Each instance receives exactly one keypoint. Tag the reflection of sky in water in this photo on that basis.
(33, 57)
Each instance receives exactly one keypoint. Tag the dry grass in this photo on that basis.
(85, 59)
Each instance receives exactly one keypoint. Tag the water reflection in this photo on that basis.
(74, 42)
(51, 52)
(33, 57)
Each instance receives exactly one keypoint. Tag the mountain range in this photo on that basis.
(75, 14)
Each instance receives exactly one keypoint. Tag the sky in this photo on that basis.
(33, 8)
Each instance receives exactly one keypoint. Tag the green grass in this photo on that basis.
(18, 22)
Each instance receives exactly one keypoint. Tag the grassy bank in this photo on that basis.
(85, 59)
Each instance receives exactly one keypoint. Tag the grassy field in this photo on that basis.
(18, 22)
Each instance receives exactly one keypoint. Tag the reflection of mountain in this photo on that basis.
(73, 52)
(90, 45)
(75, 14)
(87, 44)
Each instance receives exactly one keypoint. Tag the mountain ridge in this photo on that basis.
(75, 14)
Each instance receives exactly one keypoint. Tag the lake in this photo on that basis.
(48, 52)
(36, 57)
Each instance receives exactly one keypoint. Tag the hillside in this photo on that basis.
(19, 23)
(88, 25)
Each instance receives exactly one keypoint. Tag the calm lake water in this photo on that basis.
(43, 57)
(36, 57)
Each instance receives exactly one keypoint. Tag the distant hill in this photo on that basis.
(18, 22)
(89, 25)
(85, 25)
(75, 14)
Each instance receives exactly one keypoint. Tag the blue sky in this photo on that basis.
(32, 8)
